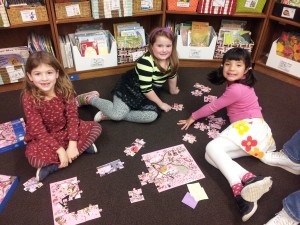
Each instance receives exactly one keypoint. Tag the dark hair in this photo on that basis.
(217, 77)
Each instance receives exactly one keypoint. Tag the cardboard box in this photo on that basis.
(283, 64)
(95, 62)
(193, 52)
(13, 133)
(7, 187)
(286, 11)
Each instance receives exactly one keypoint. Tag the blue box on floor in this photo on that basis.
(7, 186)
(12, 135)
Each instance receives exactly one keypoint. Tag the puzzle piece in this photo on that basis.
(109, 167)
(201, 126)
(145, 178)
(197, 93)
(210, 98)
(177, 107)
(202, 87)
(135, 147)
(213, 133)
(136, 195)
(32, 185)
(189, 138)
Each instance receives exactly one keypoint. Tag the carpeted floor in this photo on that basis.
(280, 103)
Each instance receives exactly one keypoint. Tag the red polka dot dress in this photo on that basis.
(49, 126)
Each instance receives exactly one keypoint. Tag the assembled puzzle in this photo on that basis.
(170, 167)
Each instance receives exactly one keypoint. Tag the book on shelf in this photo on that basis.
(39, 42)
(200, 34)
(4, 22)
(237, 37)
(12, 135)
(7, 186)
(68, 50)
(93, 42)
(129, 35)
(63, 50)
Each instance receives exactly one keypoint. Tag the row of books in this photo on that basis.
(39, 42)
(194, 33)
(232, 32)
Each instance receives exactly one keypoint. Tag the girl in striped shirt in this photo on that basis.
(136, 95)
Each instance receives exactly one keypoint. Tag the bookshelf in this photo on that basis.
(264, 27)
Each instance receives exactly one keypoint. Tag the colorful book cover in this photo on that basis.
(89, 48)
(288, 46)
(200, 34)
(7, 186)
(12, 135)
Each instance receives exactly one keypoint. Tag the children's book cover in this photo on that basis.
(12, 135)
(7, 185)
(200, 34)
(288, 46)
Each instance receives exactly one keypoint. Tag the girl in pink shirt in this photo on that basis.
(55, 135)
(248, 134)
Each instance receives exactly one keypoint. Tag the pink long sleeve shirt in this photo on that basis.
(240, 100)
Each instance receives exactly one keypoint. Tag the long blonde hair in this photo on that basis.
(63, 86)
(165, 32)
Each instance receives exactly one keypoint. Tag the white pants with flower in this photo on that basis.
(242, 138)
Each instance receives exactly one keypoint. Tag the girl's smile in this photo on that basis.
(44, 78)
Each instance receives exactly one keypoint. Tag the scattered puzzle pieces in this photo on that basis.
(202, 87)
(177, 107)
(135, 147)
(210, 98)
(32, 185)
(109, 167)
(136, 195)
(189, 138)
(197, 93)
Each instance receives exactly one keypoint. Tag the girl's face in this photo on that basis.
(162, 48)
(44, 78)
(234, 70)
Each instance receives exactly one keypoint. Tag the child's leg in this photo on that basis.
(95, 132)
(141, 116)
(217, 152)
(116, 110)
(232, 154)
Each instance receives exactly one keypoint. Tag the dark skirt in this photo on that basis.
(128, 89)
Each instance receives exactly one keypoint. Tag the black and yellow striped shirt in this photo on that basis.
(149, 75)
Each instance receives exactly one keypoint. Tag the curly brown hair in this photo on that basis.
(63, 86)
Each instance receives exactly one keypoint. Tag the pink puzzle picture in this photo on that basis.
(171, 167)
(61, 193)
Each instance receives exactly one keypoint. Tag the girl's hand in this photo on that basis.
(174, 91)
(72, 151)
(63, 157)
(186, 123)
(165, 107)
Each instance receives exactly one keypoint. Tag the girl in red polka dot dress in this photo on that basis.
(55, 135)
